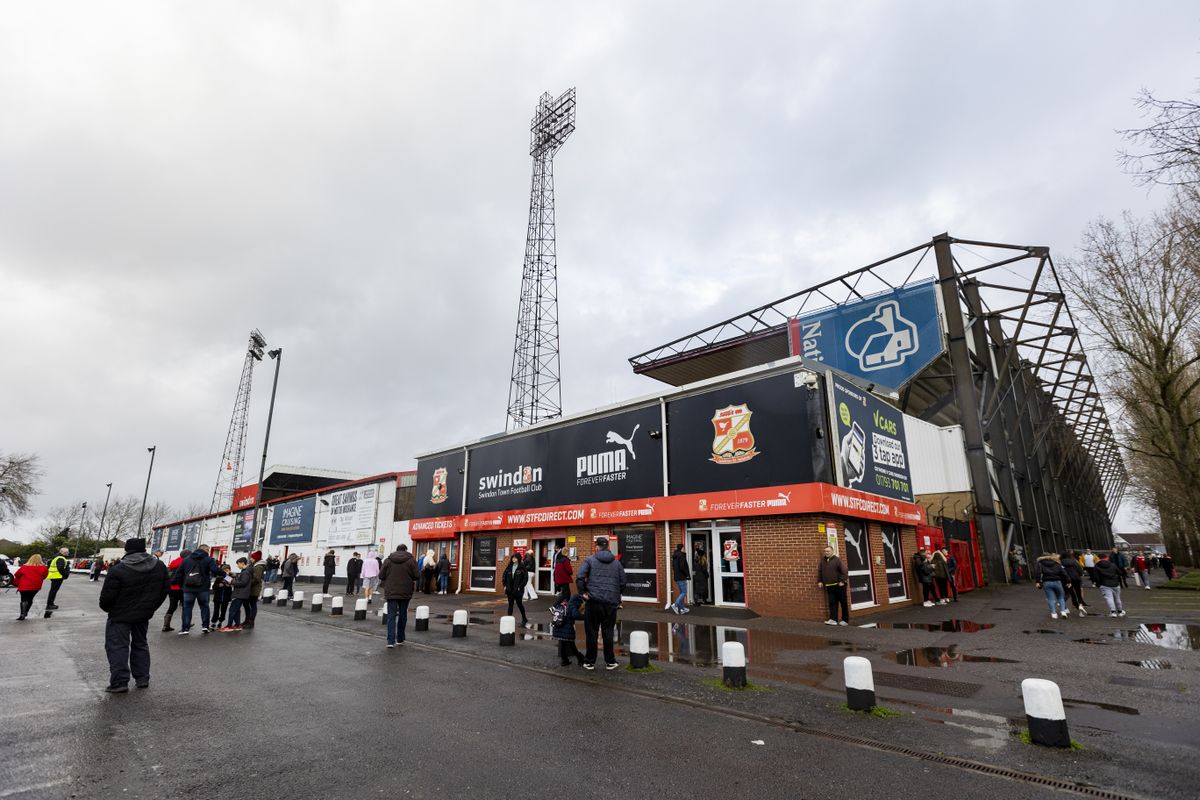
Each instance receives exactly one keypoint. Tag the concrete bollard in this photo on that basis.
(336, 606)
(422, 618)
(360, 609)
(459, 631)
(281, 598)
(508, 631)
(382, 616)
(733, 661)
(1044, 712)
(298, 601)
(268, 596)
(860, 683)
(318, 600)
(639, 649)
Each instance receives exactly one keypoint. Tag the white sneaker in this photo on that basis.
(843, 622)
(668, 606)
(1121, 613)
(1054, 616)
(1113, 614)
(1083, 612)
(927, 603)
(831, 622)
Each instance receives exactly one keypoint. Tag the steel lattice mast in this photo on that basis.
(536, 393)
(229, 476)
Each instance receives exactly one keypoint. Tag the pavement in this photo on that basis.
(313, 705)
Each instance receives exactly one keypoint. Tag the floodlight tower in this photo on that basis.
(535, 393)
(229, 477)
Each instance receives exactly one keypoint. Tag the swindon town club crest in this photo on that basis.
(439, 493)
(733, 441)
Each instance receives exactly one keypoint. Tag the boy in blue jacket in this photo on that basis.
(564, 615)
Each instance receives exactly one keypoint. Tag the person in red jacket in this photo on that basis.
(176, 591)
(562, 575)
(28, 581)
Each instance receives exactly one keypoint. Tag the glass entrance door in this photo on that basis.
(544, 554)
(699, 547)
(725, 558)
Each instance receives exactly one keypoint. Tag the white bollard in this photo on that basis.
(268, 596)
(639, 649)
(860, 683)
(459, 631)
(733, 661)
(318, 600)
(508, 631)
(1044, 712)
(298, 600)
(382, 617)
(336, 606)
(360, 609)
(422, 618)
(281, 598)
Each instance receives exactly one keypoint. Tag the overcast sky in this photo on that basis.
(353, 179)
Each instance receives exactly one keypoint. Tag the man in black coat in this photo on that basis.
(353, 571)
(133, 590)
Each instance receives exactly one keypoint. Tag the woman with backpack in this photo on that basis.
(28, 581)
(515, 578)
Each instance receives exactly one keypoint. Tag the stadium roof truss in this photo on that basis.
(1045, 465)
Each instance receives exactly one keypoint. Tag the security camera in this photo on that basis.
(810, 380)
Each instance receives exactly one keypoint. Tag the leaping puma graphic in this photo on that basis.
(890, 541)
(616, 438)
(856, 543)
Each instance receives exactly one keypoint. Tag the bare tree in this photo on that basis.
(19, 478)
(1138, 285)
(1169, 148)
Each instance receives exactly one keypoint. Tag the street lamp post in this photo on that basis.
(277, 355)
(79, 536)
(104, 513)
(146, 493)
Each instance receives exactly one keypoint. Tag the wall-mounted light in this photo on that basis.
(324, 502)
(655, 434)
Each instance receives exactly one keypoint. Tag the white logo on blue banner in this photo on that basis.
(886, 339)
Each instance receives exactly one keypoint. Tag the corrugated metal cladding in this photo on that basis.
(937, 457)
(408, 479)
(738, 355)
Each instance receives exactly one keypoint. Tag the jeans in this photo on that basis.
(127, 651)
(952, 581)
(943, 588)
(681, 600)
(1112, 596)
(1145, 576)
(252, 610)
(396, 610)
(835, 598)
(353, 585)
(1075, 594)
(600, 618)
(520, 605)
(325, 586)
(269, 575)
(220, 606)
(287, 585)
(235, 610)
(188, 599)
(928, 593)
(1055, 594)
(443, 581)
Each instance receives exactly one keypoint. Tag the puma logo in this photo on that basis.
(615, 438)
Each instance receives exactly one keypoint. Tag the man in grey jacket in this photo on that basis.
(600, 581)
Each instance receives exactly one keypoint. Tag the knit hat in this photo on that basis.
(256, 555)
(135, 545)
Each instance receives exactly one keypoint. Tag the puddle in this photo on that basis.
(946, 626)
(942, 657)
(1045, 630)
(1070, 702)
(1154, 663)
(992, 732)
(1168, 635)
(998, 608)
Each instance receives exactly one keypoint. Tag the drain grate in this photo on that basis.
(930, 685)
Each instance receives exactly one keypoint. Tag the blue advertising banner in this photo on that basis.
(174, 537)
(885, 339)
(872, 454)
(243, 530)
(292, 523)
(157, 541)
(191, 536)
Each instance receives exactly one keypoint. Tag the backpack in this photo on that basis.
(558, 614)
(194, 579)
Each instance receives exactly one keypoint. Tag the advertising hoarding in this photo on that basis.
(871, 453)
(440, 481)
(191, 536)
(157, 541)
(174, 538)
(755, 434)
(352, 516)
(885, 339)
(243, 531)
(292, 523)
(483, 563)
(610, 458)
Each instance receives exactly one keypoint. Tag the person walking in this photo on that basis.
(290, 571)
(195, 576)
(530, 567)
(132, 592)
(96, 568)
(700, 576)
(600, 581)
(1052, 579)
(679, 568)
(272, 569)
(1074, 585)
(60, 570)
(28, 582)
(353, 571)
(1122, 564)
(443, 574)
(951, 572)
(398, 580)
(222, 593)
(330, 569)
(258, 574)
(370, 575)
(564, 615)
(243, 585)
(1108, 575)
(514, 580)
(832, 577)
(1089, 566)
(563, 574)
(924, 570)
(1139, 566)
(175, 591)
(941, 576)
(429, 572)
(1168, 565)
(1014, 564)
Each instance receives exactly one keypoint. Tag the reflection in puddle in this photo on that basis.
(942, 657)
(1153, 663)
(1071, 702)
(1168, 635)
(1045, 630)
(946, 626)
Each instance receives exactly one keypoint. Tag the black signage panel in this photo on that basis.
(872, 454)
(610, 458)
(174, 537)
(440, 481)
(636, 548)
(641, 584)
(483, 551)
(760, 433)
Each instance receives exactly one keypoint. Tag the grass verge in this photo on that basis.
(879, 712)
(717, 683)
(1026, 739)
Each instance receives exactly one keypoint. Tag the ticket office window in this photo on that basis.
(637, 548)
(447, 548)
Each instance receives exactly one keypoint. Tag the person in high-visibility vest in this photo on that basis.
(60, 568)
